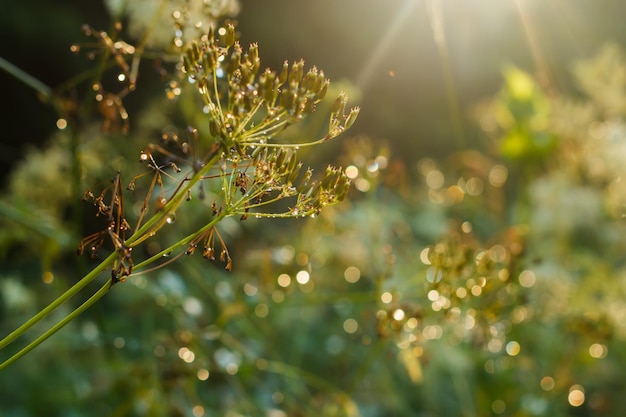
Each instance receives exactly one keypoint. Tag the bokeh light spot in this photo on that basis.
(119, 342)
(498, 175)
(284, 280)
(527, 278)
(352, 274)
(352, 172)
(498, 406)
(386, 297)
(47, 277)
(303, 277)
(398, 314)
(261, 310)
(547, 383)
(202, 374)
(513, 348)
(350, 326)
(435, 179)
(186, 354)
(598, 351)
(576, 396)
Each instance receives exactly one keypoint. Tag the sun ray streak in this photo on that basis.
(384, 44)
(543, 73)
(435, 15)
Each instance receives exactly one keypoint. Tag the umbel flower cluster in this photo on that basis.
(240, 155)
(246, 109)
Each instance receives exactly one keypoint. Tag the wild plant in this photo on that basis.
(240, 163)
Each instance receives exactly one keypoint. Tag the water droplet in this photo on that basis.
(171, 218)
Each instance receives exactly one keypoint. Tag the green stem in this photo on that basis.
(60, 300)
(93, 274)
(180, 243)
(95, 297)
(171, 205)
(26, 78)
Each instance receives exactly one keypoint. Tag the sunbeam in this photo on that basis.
(384, 44)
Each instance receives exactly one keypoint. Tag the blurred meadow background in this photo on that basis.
(475, 269)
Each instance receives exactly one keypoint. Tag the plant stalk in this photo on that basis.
(95, 297)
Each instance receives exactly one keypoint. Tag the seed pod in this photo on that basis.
(280, 158)
(339, 105)
(294, 171)
(253, 52)
(255, 153)
(323, 90)
(287, 99)
(293, 161)
(213, 128)
(188, 66)
(308, 83)
(195, 51)
(208, 63)
(235, 60)
(319, 82)
(284, 73)
(297, 70)
(354, 112)
(304, 183)
(229, 37)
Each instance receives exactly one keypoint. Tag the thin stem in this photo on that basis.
(180, 243)
(95, 297)
(171, 205)
(240, 129)
(93, 274)
(26, 78)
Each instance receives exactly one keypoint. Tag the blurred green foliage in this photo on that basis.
(489, 281)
